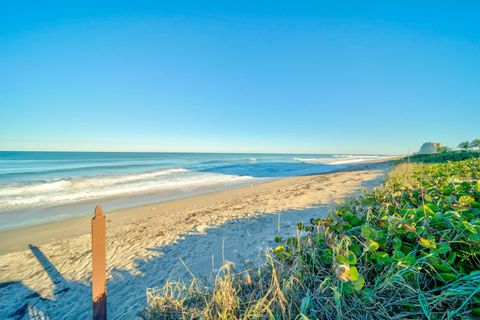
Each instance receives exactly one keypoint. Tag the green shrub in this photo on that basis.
(409, 249)
(442, 157)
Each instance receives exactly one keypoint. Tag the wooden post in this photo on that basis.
(99, 272)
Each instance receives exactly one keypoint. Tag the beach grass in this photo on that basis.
(409, 249)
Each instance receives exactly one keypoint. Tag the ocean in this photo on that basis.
(39, 187)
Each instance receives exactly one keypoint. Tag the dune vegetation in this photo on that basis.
(409, 249)
(442, 157)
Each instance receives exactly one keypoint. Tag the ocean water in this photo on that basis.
(38, 187)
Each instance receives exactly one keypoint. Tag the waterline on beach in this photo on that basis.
(37, 187)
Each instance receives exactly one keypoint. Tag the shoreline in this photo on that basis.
(12, 240)
(67, 187)
(43, 215)
(50, 268)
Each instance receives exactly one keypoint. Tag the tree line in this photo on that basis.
(464, 146)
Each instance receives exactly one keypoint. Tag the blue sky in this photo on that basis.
(238, 76)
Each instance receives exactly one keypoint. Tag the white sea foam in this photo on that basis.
(76, 190)
(71, 184)
(341, 159)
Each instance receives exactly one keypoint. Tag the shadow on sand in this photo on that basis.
(25, 303)
(126, 289)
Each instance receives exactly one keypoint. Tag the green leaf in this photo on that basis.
(443, 248)
(341, 259)
(367, 295)
(476, 299)
(397, 243)
(381, 257)
(408, 261)
(353, 273)
(348, 258)
(454, 213)
(378, 255)
(359, 283)
(427, 243)
(372, 245)
(469, 227)
(447, 277)
(279, 250)
(351, 257)
(355, 221)
(438, 218)
(347, 216)
(397, 254)
(367, 232)
(425, 210)
(451, 257)
(409, 212)
(433, 257)
(447, 191)
(466, 200)
(347, 226)
(326, 256)
(420, 230)
(355, 248)
(442, 267)
(347, 288)
(380, 236)
(476, 311)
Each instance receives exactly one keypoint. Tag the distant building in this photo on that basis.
(429, 148)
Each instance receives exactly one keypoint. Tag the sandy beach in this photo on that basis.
(47, 267)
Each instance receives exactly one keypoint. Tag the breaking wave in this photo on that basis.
(48, 193)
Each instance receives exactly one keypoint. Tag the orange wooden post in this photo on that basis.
(99, 272)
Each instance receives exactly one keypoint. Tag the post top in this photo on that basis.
(98, 211)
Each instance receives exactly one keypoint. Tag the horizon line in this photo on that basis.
(209, 152)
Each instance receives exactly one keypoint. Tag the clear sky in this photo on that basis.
(238, 76)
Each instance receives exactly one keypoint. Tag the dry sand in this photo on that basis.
(46, 268)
